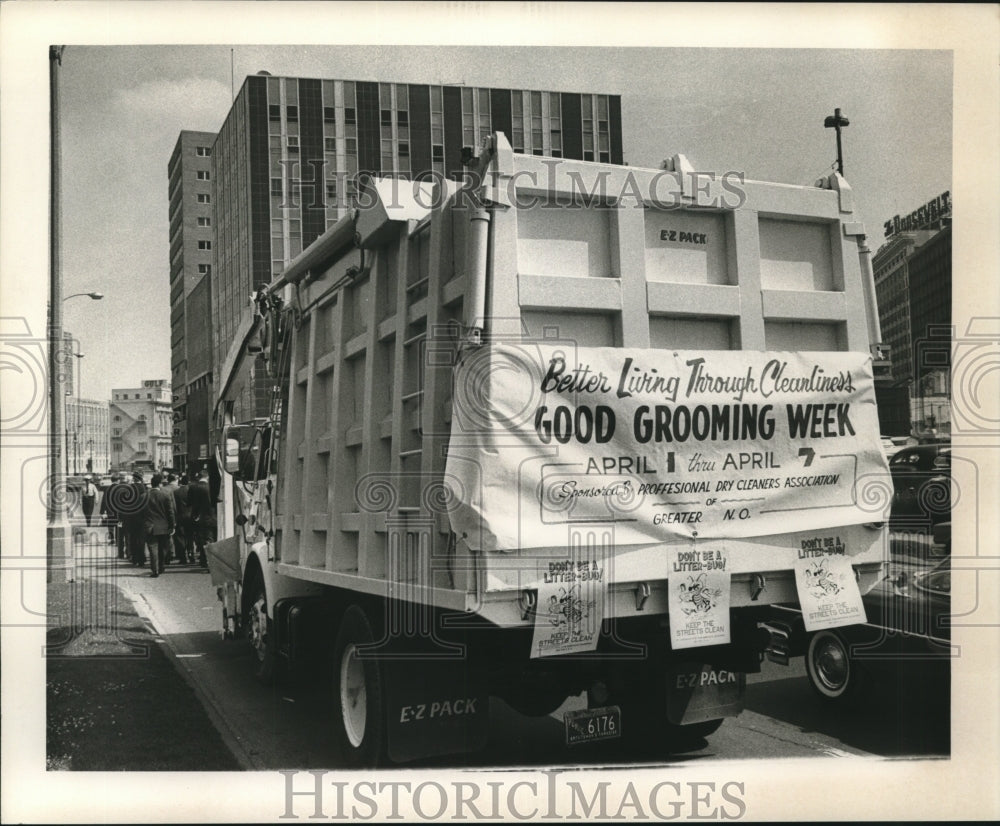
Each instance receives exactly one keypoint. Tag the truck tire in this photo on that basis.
(359, 694)
(832, 673)
(260, 631)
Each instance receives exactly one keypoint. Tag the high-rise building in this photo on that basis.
(191, 239)
(913, 288)
(86, 420)
(141, 425)
(286, 160)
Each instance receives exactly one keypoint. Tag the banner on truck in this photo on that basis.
(664, 444)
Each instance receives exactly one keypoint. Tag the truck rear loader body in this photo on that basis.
(563, 430)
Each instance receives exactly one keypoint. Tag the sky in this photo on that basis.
(755, 111)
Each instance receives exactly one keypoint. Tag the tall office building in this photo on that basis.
(86, 420)
(913, 288)
(285, 160)
(191, 239)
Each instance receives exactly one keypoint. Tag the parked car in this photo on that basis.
(921, 483)
(892, 445)
(917, 457)
(907, 628)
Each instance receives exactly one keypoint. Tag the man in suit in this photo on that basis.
(169, 486)
(184, 536)
(160, 522)
(202, 514)
(131, 511)
(109, 512)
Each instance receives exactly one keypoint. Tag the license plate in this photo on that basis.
(588, 725)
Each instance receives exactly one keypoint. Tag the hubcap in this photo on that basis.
(832, 668)
(353, 698)
(258, 627)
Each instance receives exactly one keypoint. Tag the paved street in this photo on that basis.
(277, 727)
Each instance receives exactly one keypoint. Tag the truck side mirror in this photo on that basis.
(232, 455)
(247, 454)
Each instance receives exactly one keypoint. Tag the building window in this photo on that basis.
(202, 245)
(351, 145)
(437, 153)
(204, 269)
(204, 152)
(276, 187)
(386, 117)
(292, 114)
(141, 447)
(293, 143)
(204, 198)
(274, 112)
(330, 144)
(404, 149)
(350, 115)
(116, 431)
(329, 114)
(204, 222)
(203, 175)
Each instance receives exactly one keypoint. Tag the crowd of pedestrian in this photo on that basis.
(170, 520)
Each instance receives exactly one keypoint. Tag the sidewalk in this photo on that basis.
(114, 699)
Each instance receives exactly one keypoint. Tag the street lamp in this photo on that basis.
(59, 552)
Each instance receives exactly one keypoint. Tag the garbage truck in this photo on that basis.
(557, 435)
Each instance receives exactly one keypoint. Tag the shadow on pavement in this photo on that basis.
(114, 700)
(905, 713)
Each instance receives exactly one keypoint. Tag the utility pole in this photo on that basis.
(58, 545)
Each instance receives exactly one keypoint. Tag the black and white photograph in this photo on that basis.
(499, 412)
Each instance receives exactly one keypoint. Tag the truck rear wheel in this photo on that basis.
(359, 716)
